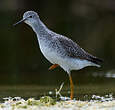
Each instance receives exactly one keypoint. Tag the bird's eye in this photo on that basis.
(30, 16)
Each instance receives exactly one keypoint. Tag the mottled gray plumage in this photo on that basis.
(57, 48)
(75, 51)
(67, 48)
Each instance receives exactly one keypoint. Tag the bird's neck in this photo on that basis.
(40, 29)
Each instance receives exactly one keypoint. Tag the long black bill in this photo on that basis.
(19, 22)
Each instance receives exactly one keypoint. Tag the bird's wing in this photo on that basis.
(73, 50)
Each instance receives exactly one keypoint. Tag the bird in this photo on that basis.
(59, 49)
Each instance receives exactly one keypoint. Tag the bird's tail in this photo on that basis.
(96, 60)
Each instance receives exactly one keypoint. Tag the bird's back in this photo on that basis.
(73, 50)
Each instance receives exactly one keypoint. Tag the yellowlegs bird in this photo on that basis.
(58, 49)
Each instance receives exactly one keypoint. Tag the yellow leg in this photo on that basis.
(71, 87)
(53, 66)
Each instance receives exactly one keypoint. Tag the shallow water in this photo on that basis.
(85, 85)
(81, 91)
(92, 91)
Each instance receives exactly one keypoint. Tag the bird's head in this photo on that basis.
(29, 17)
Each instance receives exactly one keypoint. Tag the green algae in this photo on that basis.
(47, 100)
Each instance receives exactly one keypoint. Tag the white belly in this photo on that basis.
(69, 64)
(50, 55)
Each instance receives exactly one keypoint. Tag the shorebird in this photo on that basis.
(58, 49)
